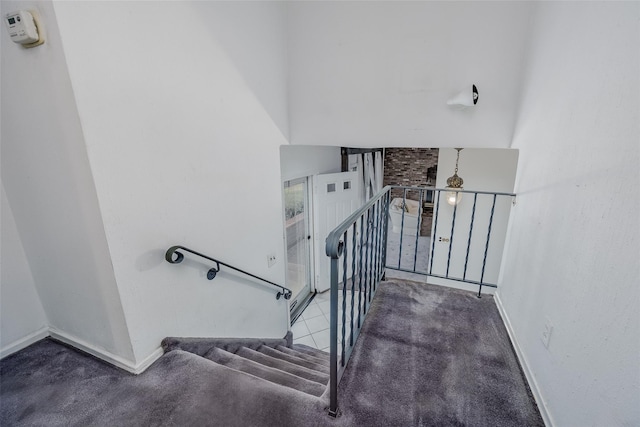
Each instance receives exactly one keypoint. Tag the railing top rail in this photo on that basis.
(333, 247)
(449, 189)
(286, 292)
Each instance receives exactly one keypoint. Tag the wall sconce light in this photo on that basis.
(454, 185)
(468, 97)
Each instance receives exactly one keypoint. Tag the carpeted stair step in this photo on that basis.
(311, 351)
(292, 352)
(283, 365)
(293, 359)
(273, 375)
(221, 396)
(201, 346)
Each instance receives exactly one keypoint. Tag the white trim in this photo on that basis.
(471, 287)
(438, 281)
(105, 355)
(535, 389)
(307, 180)
(24, 342)
(148, 361)
(311, 230)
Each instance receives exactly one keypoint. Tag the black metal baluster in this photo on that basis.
(372, 245)
(473, 214)
(375, 244)
(366, 263)
(486, 248)
(404, 206)
(344, 294)
(353, 277)
(415, 252)
(453, 224)
(435, 230)
(386, 229)
(360, 271)
(378, 243)
(333, 345)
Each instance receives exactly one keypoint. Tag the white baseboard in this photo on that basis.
(486, 290)
(544, 412)
(438, 281)
(24, 342)
(120, 362)
(148, 361)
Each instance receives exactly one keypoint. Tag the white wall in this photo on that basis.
(573, 245)
(380, 73)
(21, 313)
(50, 188)
(253, 34)
(183, 151)
(298, 161)
(482, 170)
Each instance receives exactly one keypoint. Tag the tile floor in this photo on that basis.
(312, 327)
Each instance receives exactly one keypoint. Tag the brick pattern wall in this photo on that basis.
(412, 167)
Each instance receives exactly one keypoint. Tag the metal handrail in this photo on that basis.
(333, 247)
(211, 274)
(491, 193)
(373, 220)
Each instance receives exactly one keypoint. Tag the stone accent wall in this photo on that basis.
(412, 167)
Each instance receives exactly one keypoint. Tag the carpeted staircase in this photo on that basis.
(283, 371)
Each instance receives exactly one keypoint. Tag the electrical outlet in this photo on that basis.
(546, 333)
(443, 239)
(271, 260)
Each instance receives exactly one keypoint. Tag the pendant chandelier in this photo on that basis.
(453, 194)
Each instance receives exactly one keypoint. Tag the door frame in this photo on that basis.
(297, 304)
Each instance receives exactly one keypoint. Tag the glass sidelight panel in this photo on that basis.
(298, 240)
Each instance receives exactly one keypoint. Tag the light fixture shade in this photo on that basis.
(453, 197)
(468, 97)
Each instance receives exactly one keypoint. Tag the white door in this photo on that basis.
(336, 196)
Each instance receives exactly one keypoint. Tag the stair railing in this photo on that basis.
(361, 242)
(460, 229)
(358, 252)
(211, 274)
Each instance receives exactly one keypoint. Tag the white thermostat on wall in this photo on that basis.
(22, 28)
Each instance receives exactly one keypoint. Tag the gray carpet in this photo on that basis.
(427, 356)
(434, 356)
